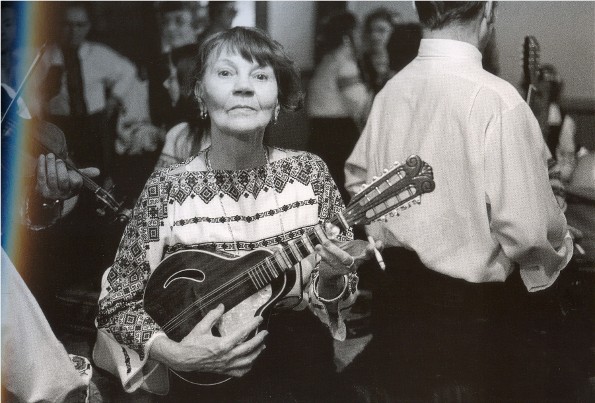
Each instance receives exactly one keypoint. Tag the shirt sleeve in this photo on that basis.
(329, 204)
(125, 331)
(524, 215)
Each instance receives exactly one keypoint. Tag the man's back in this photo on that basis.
(477, 133)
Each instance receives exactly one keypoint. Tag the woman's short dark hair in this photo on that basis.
(381, 14)
(334, 28)
(254, 44)
(438, 14)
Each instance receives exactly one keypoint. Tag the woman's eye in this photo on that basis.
(261, 76)
(224, 73)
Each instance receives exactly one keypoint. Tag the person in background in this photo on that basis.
(93, 95)
(91, 92)
(243, 79)
(378, 28)
(221, 16)
(190, 135)
(337, 100)
(35, 365)
(170, 74)
(465, 266)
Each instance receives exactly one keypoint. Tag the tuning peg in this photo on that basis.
(374, 178)
(384, 171)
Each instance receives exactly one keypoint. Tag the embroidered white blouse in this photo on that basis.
(188, 206)
(493, 204)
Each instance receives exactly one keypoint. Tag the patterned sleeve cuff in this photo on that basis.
(331, 313)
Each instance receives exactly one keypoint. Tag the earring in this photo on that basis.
(276, 116)
(204, 114)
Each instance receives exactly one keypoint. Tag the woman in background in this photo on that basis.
(338, 100)
(378, 28)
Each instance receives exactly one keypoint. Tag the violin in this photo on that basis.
(48, 138)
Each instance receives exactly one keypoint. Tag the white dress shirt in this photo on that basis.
(493, 204)
(103, 70)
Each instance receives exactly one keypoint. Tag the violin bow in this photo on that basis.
(22, 84)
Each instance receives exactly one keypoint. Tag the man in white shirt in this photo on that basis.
(446, 300)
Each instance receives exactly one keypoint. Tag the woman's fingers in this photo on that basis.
(243, 364)
(210, 319)
(241, 334)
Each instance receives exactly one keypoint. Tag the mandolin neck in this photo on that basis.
(291, 254)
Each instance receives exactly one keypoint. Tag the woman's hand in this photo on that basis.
(201, 351)
(339, 259)
(55, 181)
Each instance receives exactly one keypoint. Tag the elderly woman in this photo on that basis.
(233, 197)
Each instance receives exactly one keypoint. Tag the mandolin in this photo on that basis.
(186, 285)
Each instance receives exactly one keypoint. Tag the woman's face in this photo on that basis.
(177, 29)
(240, 96)
(379, 34)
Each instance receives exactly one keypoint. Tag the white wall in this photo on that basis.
(292, 24)
(565, 32)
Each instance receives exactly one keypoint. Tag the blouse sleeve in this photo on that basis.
(125, 331)
(329, 204)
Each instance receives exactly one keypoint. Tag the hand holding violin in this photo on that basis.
(56, 182)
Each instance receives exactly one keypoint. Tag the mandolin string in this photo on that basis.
(186, 313)
(207, 300)
(242, 279)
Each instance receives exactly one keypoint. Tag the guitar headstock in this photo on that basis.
(396, 187)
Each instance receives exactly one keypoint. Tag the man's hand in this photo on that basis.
(201, 351)
(55, 181)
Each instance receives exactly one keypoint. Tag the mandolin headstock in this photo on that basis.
(396, 187)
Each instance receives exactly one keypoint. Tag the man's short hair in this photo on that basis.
(438, 14)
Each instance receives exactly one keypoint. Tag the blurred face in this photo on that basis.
(228, 14)
(177, 28)
(75, 27)
(379, 34)
(240, 96)
(9, 28)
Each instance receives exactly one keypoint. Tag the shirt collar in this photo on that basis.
(449, 48)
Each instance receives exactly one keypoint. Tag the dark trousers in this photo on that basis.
(437, 338)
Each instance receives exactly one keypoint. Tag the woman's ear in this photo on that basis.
(198, 92)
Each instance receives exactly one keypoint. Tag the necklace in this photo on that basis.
(228, 222)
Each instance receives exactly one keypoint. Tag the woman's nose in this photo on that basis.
(243, 85)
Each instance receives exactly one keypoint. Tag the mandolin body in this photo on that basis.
(188, 284)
